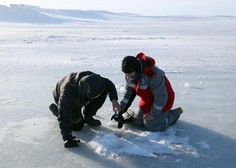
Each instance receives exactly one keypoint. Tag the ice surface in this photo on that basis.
(198, 56)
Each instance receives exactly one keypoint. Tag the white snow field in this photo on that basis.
(197, 54)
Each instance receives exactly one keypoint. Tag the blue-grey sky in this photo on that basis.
(144, 7)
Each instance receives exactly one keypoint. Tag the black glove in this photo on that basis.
(118, 118)
(72, 142)
(115, 117)
(120, 122)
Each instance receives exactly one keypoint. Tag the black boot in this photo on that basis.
(53, 109)
(91, 121)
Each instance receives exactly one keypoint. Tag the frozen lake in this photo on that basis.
(198, 56)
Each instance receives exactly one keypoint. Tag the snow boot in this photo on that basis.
(91, 121)
(53, 109)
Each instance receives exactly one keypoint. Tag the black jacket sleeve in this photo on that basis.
(66, 104)
(110, 89)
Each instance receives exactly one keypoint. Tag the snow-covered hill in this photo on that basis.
(31, 14)
(34, 14)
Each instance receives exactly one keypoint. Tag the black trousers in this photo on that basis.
(91, 108)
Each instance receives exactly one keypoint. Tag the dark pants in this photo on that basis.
(91, 108)
(159, 123)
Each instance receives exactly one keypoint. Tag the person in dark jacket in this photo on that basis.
(156, 94)
(78, 96)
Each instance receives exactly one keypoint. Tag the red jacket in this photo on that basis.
(147, 98)
(153, 88)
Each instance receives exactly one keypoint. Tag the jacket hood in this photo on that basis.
(91, 86)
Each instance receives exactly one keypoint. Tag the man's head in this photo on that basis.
(94, 85)
(130, 64)
(131, 67)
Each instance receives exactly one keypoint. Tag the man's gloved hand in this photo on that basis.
(118, 118)
(115, 117)
(120, 122)
(72, 142)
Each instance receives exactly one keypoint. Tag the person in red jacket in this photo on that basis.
(156, 94)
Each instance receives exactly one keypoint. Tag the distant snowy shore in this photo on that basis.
(20, 13)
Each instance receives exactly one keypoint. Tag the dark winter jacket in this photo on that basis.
(72, 93)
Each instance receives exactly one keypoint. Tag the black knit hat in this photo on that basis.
(130, 64)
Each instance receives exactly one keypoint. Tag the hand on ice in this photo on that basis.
(115, 117)
(73, 142)
(118, 118)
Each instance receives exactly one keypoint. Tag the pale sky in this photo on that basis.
(144, 7)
